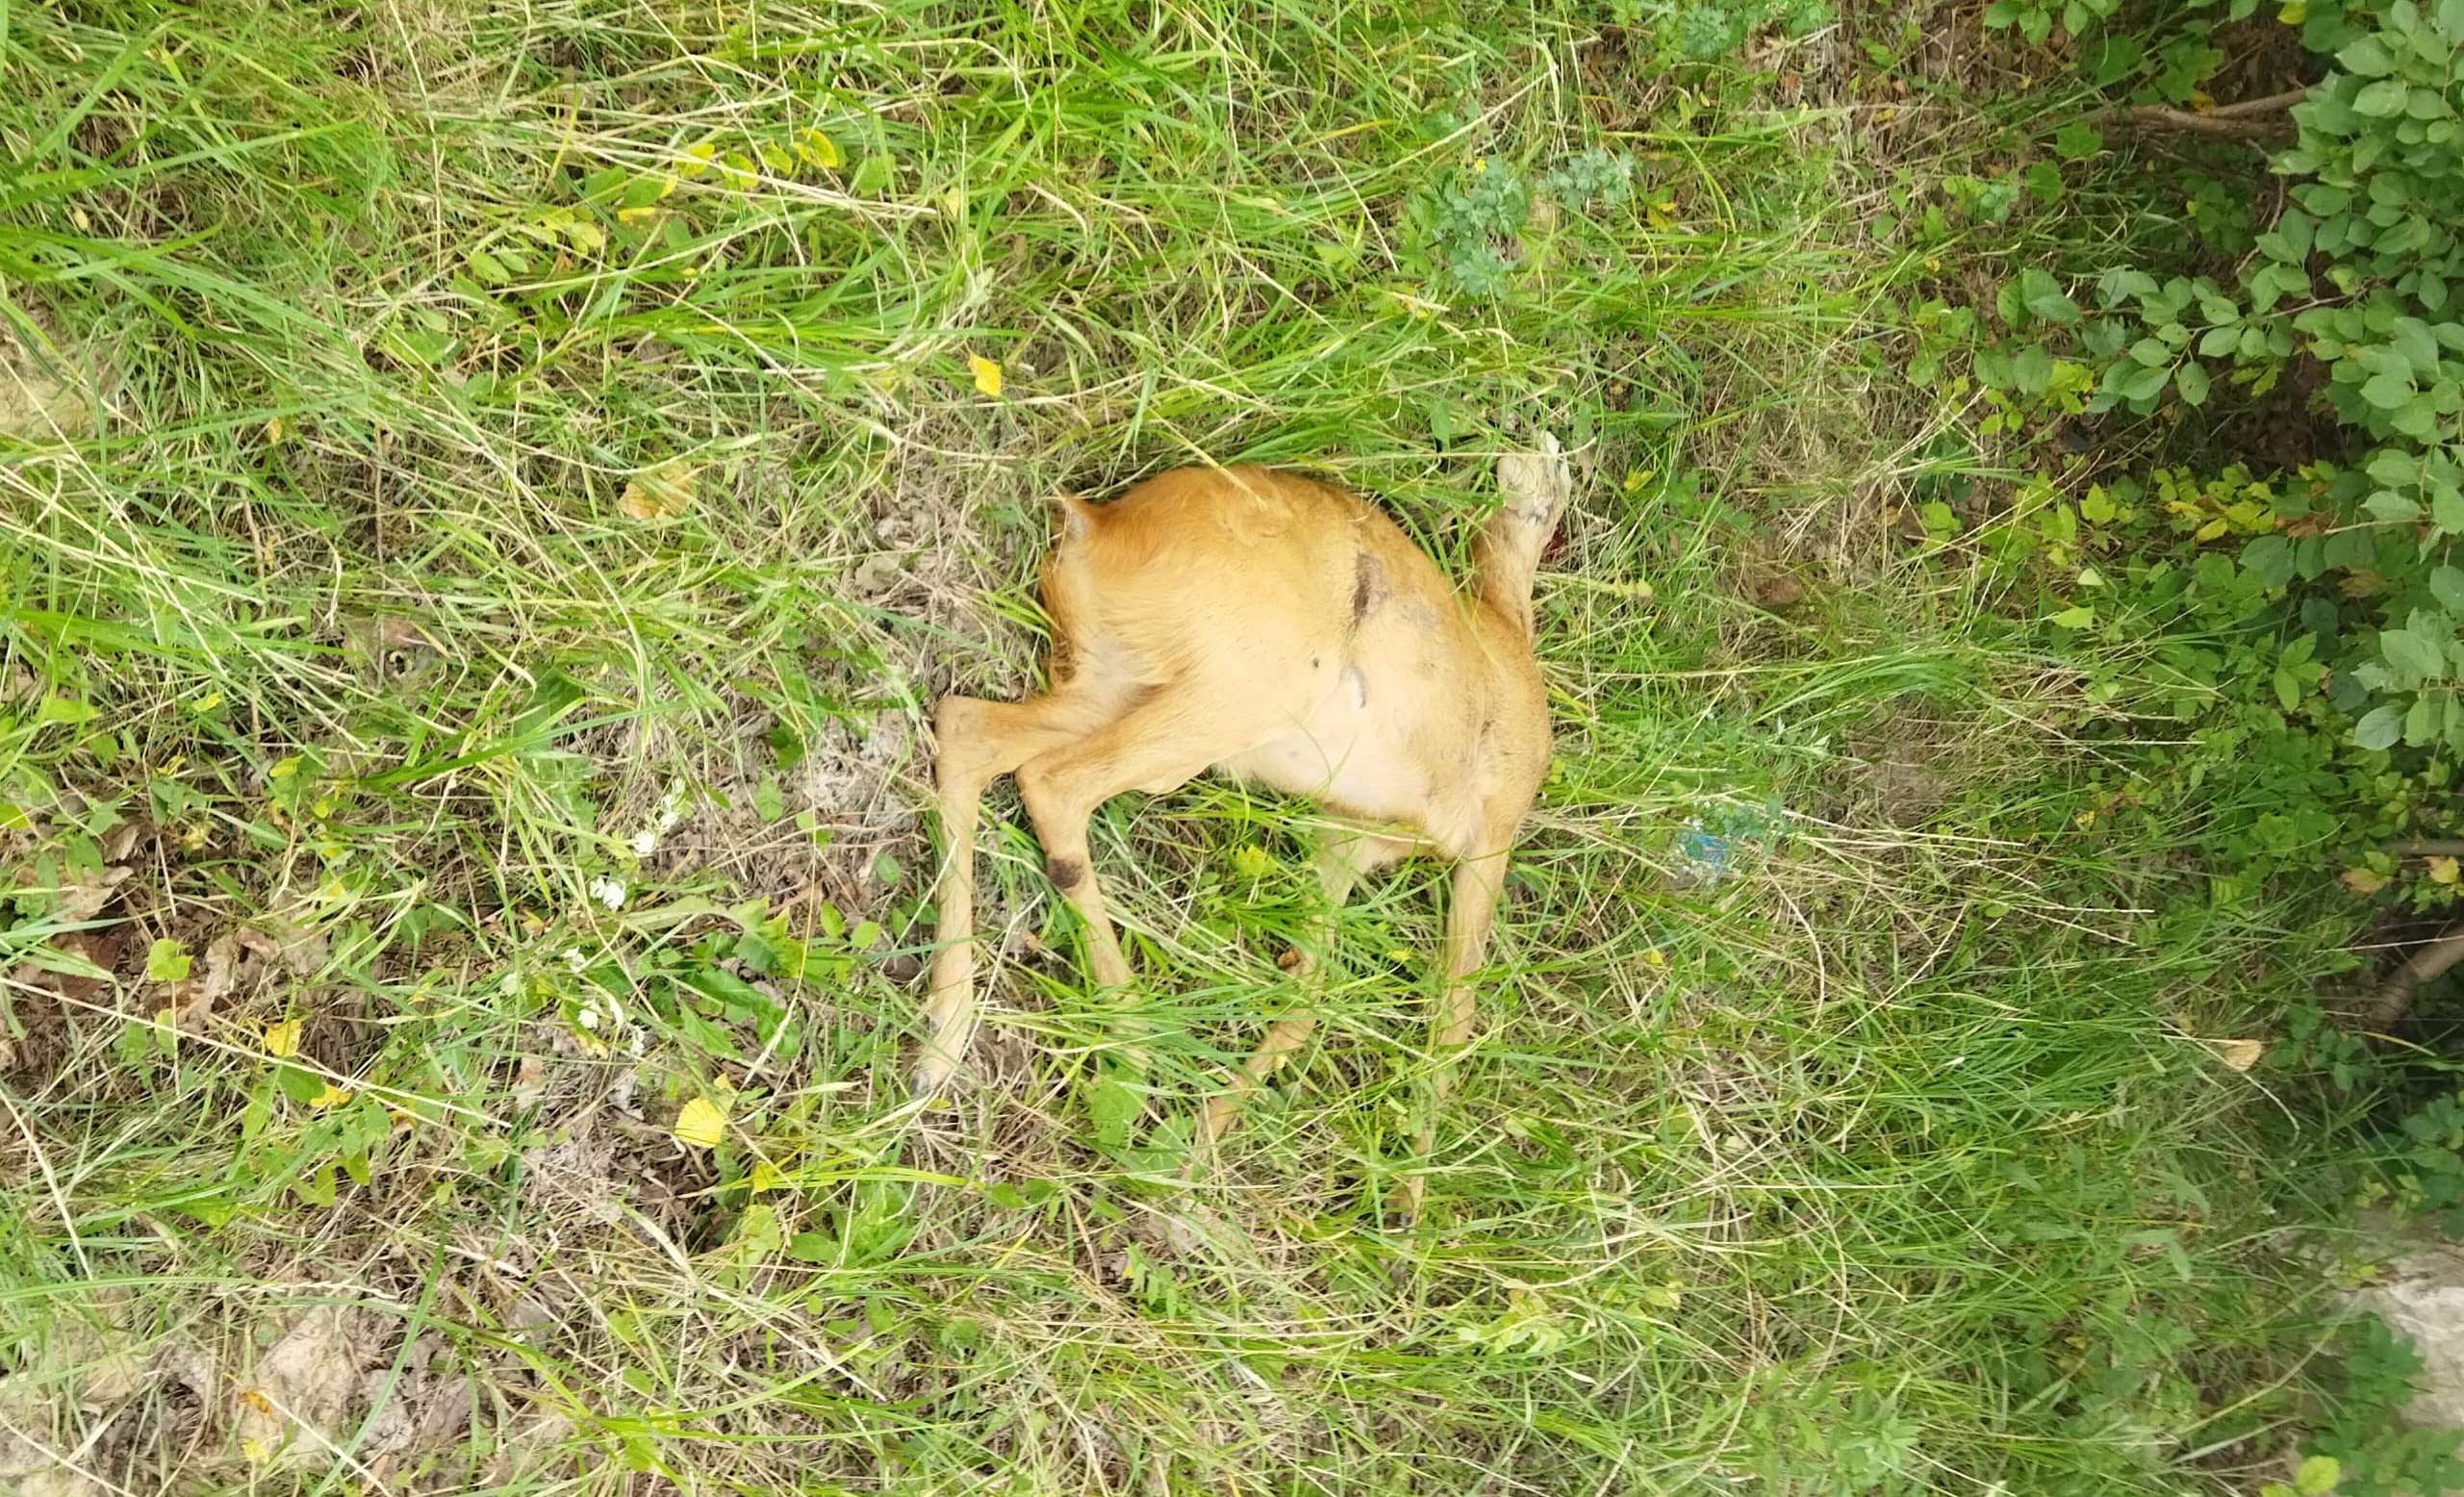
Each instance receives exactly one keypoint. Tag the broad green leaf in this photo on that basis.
(2421, 722)
(2413, 340)
(2447, 585)
(166, 960)
(2033, 369)
(2318, 1474)
(2447, 508)
(2392, 507)
(2380, 727)
(2366, 57)
(2044, 297)
(2192, 380)
(2387, 391)
(2269, 559)
(2393, 466)
(2381, 100)
(2137, 382)
(1112, 1107)
(2413, 656)
(2077, 141)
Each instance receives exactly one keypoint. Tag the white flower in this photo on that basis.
(672, 808)
(609, 891)
(644, 843)
(574, 960)
(587, 1018)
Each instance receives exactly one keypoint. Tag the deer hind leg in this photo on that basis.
(1342, 861)
(1157, 744)
(979, 741)
(1472, 911)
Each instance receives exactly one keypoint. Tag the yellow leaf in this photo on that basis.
(256, 1399)
(257, 1451)
(282, 1040)
(2238, 1054)
(2363, 880)
(819, 150)
(987, 374)
(275, 430)
(2295, 13)
(767, 1177)
(696, 159)
(2442, 870)
(702, 1123)
(660, 493)
(331, 1096)
(637, 217)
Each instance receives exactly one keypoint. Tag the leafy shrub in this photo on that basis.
(1707, 31)
(2365, 275)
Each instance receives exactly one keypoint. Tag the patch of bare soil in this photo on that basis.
(1898, 769)
(45, 395)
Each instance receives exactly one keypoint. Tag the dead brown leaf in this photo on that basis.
(194, 1000)
(100, 948)
(660, 493)
(83, 902)
(290, 1413)
(2238, 1054)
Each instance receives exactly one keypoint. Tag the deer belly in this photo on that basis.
(1343, 757)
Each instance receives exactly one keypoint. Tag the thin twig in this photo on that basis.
(2395, 997)
(2239, 120)
(2435, 847)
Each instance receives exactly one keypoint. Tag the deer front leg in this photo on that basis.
(1342, 861)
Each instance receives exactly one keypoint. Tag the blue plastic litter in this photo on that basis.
(1708, 843)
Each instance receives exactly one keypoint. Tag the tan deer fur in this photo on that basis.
(1282, 631)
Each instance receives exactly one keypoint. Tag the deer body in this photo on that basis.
(1283, 631)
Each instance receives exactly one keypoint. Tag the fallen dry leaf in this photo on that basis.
(2238, 1054)
(2363, 880)
(291, 1411)
(702, 1123)
(282, 1039)
(101, 948)
(79, 903)
(660, 493)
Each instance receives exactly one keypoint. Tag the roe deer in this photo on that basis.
(1283, 631)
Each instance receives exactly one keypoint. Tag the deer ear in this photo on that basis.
(1072, 517)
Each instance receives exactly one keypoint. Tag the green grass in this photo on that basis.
(1891, 1162)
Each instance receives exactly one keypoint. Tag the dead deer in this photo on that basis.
(1282, 631)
